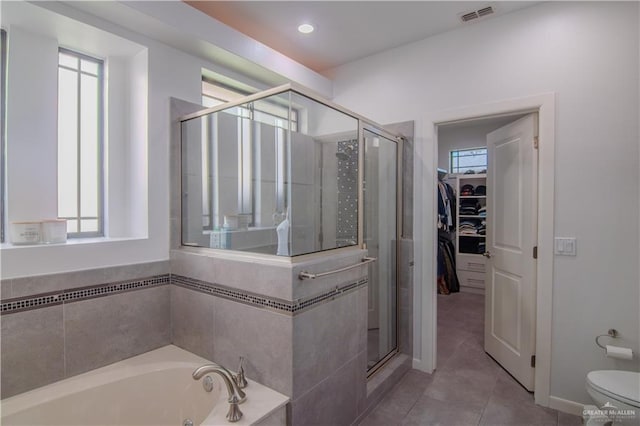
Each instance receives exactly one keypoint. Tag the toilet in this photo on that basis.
(616, 395)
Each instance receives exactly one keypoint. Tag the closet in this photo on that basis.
(462, 166)
(472, 219)
(447, 223)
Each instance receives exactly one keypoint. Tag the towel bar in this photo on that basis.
(304, 275)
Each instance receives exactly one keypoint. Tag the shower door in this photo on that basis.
(381, 232)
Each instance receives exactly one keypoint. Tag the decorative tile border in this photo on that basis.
(19, 304)
(279, 305)
(43, 300)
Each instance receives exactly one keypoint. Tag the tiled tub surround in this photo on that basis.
(311, 347)
(153, 388)
(308, 343)
(307, 339)
(70, 330)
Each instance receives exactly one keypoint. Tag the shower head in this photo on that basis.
(345, 154)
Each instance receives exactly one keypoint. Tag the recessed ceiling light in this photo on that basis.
(305, 28)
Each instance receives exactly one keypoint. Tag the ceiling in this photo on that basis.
(345, 30)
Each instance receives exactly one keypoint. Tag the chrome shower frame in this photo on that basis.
(363, 124)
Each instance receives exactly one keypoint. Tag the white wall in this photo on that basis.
(588, 54)
(171, 73)
(31, 130)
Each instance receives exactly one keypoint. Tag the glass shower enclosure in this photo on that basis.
(287, 173)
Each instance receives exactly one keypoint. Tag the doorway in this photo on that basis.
(487, 194)
(425, 328)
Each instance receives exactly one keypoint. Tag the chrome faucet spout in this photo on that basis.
(236, 395)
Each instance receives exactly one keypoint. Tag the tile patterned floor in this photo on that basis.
(468, 387)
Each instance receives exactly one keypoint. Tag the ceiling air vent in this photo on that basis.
(469, 16)
(485, 11)
(480, 13)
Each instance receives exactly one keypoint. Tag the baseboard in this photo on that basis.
(417, 364)
(566, 406)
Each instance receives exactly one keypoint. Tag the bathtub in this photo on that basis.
(155, 388)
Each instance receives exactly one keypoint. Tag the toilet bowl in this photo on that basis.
(616, 395)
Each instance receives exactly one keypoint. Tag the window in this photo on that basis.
(463, 160)
(3, 119)
(80, 143)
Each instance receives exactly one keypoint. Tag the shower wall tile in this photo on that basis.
(406, 129)
(193, 265)
(276, 418)
(192, 325)
(334, 401)
(405, 300)
(324, 338)
(274, 275)
(109, 329)
(5, 289)
(385, 379)
(32, 351)
(261, 336)
(407, 185)
(361, 381)
(303, 158)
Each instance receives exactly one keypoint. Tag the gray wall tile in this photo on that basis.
(5, 289)
(386, 378)
(192, 321)
(263, 337)
(275, 277)
(136, 271)
(27, 286)
(193, 265)
(334, 401)
(324, 337)
(277, 418)
(109, 329)
(32, 349)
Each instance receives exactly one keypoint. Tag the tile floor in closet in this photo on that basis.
(468, 387)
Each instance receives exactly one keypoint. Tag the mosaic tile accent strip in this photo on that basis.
(42, 300)
(347, 223)
(279, 305)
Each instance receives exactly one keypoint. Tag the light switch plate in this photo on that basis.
(565, 246)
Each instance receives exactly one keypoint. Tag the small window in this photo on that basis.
(3, 119)
(80, 143)
(465, 160)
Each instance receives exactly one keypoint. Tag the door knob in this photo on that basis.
(487, 254)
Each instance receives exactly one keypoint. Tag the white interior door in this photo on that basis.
(509, 332)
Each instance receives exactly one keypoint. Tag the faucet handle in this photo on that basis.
(240, 379)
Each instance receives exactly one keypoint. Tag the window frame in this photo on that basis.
(456, 169)
(100, 232)
(3, 121)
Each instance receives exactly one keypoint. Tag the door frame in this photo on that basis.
(425, 193)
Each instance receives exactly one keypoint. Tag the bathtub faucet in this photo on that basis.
(236, 395)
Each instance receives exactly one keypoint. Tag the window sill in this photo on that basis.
(70, 242)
